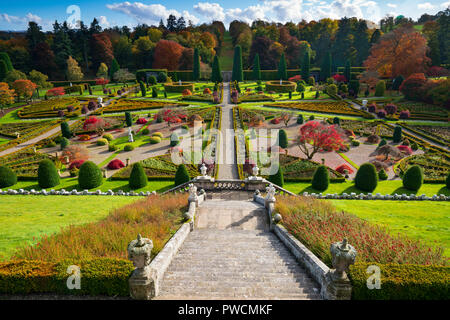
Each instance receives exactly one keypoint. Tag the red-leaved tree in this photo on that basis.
(101, 82)
(315, 136)
(167, 55)
(56, 92)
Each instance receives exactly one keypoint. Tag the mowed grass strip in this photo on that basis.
(423, 220)
(25, 219)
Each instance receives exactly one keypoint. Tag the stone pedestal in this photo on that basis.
(338, 288)
(142, 285)
(255, 183)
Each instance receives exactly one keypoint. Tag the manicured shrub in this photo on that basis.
(404, 114)
(301, 87)
(300, 119)
(158, 134)
(344, 167)
(102, 142)
(65, 130)
(141, 121)
(406, 149)
(48, 176)
(138, 178)
(154, 93)
(283, 139)
(311, 118)
(112, 148)
(64, 143)
(366, 177)
(372, 108)
(108, 137)
(152, 80)
(332, 89)
(162, 77)
(145, 131)
(382, 143)
(321, 179)
(50, 144)
(413, 178)
(382, 175)
(355, 143)
(414, 146)
(278, 177)
(182, 175)
(390, 108)
(128, 148)
(397, 137)
(90, 176)
(76, 164)
(155, 140)
(116, 164)
(336, 121)
(128, 119)
(380, 88)
(381, 113)
(7, 177)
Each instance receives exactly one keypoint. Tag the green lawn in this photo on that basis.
(24, 219)
(384, 187)
(199, 86)
(285, 96)
(3, 141)
(70, 184)
(226, 55)
(427, 221)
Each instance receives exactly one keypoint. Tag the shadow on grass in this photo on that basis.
(403, 190)
(444, 190)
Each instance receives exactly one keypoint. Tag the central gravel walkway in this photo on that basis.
(227, 148)
(232, 255)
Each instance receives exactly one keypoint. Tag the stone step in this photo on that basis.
(236, 264)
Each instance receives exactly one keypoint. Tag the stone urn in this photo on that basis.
(343, 255)
(142, 284)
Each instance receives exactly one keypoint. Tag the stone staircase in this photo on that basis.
(231, 254)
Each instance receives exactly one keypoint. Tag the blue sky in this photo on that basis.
(14, 15)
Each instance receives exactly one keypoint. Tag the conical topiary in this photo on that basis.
(321, 179)
(8, 177)
(65, 130)
(366, 178)
(48, 176)
(277, 178)
(382, 175)
(447, 181)
(413, 178)
(397, 137)
(182, 175)
(283, 139)
(89, 176)
(138, 178)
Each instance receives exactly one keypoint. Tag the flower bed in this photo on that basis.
(175, 87)
(51, 108)
(439, 134)
(24, 163)
(337, 107)
(435, 165)
(133, 105)
(284, 87)
(254, 97)
(366, 128)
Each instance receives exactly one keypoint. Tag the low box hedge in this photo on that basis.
(402, 282)
(101, 276)
(284, 87)
(175, 87)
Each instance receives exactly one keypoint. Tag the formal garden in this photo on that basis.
(361, 151)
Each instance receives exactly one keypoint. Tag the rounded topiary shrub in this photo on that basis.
(64, 143)
(102, 142)
(300, 119)
(155, 140)
(138, 178)
(413, 178)
(382, 175)
(277, 178)
(7, 177)
(355, 143)
(158, 134)
(366, 178)
(48, 176)
(145, 131)
(112, 148)
(182, 175)
(321, 179)
(90, 176)
(128, 148)
(108, 137)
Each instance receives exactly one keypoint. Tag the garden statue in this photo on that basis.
(203, 170)
(255, 171)
(270, 193)
(281, 82)
(192, 193)
(180, 82)
(142, 285)
(130, 135)
(343, 255)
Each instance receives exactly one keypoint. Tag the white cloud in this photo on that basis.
(211, 11)
(149, 14)
(425, 6)
(103, 21)
(445, 4)
(391, 5)
(20, 20)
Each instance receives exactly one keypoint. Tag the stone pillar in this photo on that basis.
(270, 197)
(193, 197)
(338, 284)
(142, 281)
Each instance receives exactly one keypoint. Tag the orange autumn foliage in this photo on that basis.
(167, 55)
(400, 52)
(24, 88)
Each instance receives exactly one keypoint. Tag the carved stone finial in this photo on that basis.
(203, 170)
(192, 193)
(139, 251)
(255, 171)
(343, 255)
(142, 283)
(271, 191)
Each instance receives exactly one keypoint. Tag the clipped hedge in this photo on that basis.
(155, 140)
(175, 87)
(101, 276)
(321, 178)
(48, 176)
(138, 178)
(413, 178)
(284, 87)
(402, 282)
(366, 178)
